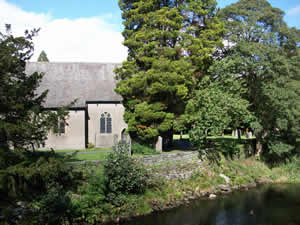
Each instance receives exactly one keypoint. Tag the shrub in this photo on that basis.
(90, 203)
(123, 175)
(31, 177)
(141, 149)
(54, 208)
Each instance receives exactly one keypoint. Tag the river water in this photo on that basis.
(264, 205)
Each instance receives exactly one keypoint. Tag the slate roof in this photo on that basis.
(82, 81)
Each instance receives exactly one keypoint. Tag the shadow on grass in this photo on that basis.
(225, 144)
(181, 145)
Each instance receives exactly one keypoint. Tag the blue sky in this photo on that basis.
(109, 10)
(89, 30)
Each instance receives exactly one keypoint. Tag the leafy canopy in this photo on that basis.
(263, 53)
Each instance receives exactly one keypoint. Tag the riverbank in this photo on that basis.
(205, 183)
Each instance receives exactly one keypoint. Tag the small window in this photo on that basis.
(108, 124)
(60, 128)
(105, 123)
(102, 124)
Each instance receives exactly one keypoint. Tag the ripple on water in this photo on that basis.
(265, 205)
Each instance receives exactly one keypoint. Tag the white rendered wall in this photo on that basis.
(74, 136)
(116, 111)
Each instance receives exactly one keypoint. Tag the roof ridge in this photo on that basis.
(73, 62)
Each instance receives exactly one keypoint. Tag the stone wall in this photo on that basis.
(73, 138)
(161, 158)
(173, 166)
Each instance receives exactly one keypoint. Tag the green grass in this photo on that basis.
(82, 150)
(84, 154)
(79, 150)
(177, 136)
(91, 156)
(229, 137)
(96, 154)
(186, 137)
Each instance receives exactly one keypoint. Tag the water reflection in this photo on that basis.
(266, 205)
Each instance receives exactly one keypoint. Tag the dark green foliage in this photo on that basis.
(112, 190)
(264, 56)
(43, 57)
(170, 43)
(137, 148)
(38, 177)
(90, 203)
(23, 122)
(123, 175)
(26, 175)
(53, 208)
(33, 175)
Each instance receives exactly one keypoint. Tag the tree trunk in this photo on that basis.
(258, 147)
(3, 139)
(259, 137)
(239, 134)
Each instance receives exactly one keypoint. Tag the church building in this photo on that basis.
(97, 115)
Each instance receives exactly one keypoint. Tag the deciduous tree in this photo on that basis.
(263, 53)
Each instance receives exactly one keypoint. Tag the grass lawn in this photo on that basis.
(84, 154)
(82, 150)
(79, 150)
(177, 136)
(101, 153)
(91, 156)
(186, 137)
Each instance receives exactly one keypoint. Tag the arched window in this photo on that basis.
(105, 123)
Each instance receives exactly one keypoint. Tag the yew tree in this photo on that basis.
(24, 124)
(170, 44)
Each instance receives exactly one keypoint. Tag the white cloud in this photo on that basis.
(77, 40)
(294, 11)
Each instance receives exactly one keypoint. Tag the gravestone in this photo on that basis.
(159, 144)
(234, 133)
(115, 139)
(126, 138)
(250, 135)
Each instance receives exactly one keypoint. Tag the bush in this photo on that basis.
(141, 149)
(54, 208)
(90, 203)
(123, 175)
(31, 178)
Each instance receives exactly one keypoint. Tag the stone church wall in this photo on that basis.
(73, 138)
(116, 111)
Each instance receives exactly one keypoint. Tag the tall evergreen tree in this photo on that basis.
(169, 44)
(24, 125)
(43, 57)
(263, 53)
